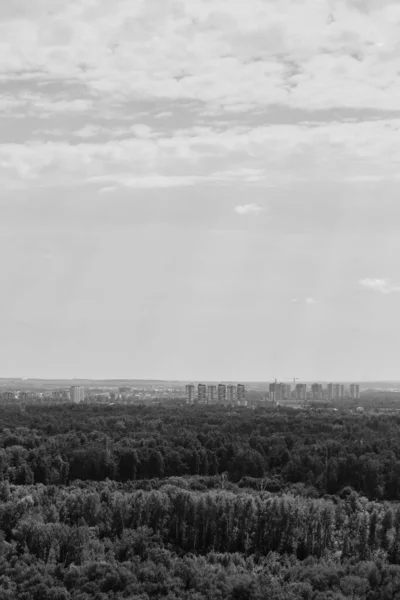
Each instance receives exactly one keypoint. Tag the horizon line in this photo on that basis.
(188, 381)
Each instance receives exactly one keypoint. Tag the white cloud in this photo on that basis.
(89, 131)
(158, 180)
(163, 115)
(227, 55)
(153, 180)
(49, 132)
(98, 66)
(248, 209)
(267, 155)
(240, 174)
(382, 286)
(108, 189)
(139, 130)
(9, 104)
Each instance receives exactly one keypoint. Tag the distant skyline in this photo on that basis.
(87, 382)
(200, 190)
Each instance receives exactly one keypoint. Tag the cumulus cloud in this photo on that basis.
(85, 64)
(382, 286)
(139, 130)
(152, 180)
(236, 55)
(247, 209)
(266, 156)
(159, 180)
(89, 131)
(163, 115)
(107, 189)
(94, 69)
(241, 174)
(43, 104)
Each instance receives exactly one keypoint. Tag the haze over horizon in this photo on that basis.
(200, 190)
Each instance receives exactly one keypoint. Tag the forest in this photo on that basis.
(198, 503)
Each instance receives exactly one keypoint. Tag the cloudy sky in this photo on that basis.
(200, 189)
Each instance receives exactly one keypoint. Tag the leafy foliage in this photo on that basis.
(133, 502)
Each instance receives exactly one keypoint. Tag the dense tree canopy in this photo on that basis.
(323, 451)
(161, 502)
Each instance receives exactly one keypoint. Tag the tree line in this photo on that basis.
(324, 452)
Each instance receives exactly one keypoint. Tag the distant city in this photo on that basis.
(278, 393)
(99, 394)
(290, 393)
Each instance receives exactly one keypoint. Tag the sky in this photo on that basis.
(197, 189)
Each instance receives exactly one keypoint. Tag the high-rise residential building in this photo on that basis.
(212, 394)
(77, 394)
(202, 393)
(287, 391)
(336, 392)
(221, 393)
(330, 391)
(190, 393)
(276, 391)
(355, 391)
(301, 392)
(230, 392)
(241, 395)
(280, 392)
(316, 391)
